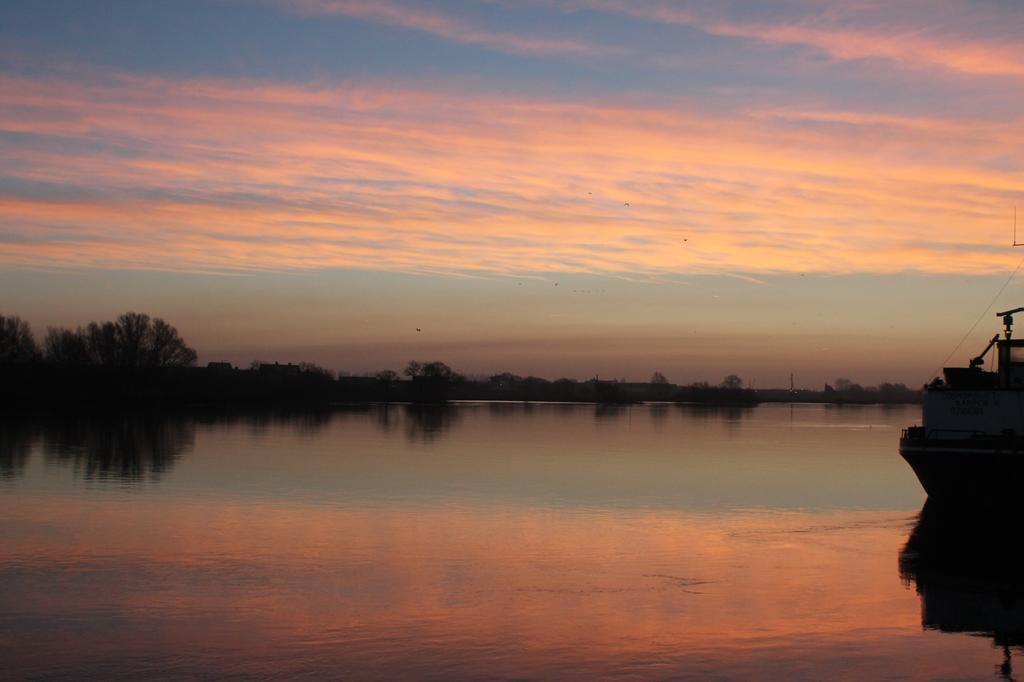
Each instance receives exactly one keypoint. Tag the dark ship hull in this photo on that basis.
(983, 471)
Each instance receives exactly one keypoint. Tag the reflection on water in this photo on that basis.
(132, 448)
(610, 412)
(425, 423)
(144, 445)
(488, 541)
(16, 437)
(306, 421)
(967, 569)
(725, 412)
(139, 446)
(135, 446)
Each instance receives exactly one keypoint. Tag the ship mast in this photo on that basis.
(1008, 321)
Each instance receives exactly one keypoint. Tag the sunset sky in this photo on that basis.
(571, 187)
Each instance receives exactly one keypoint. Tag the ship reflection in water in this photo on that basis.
(967, 571)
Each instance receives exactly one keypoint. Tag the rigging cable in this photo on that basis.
(983, 314)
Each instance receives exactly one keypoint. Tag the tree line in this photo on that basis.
(131, 340)
(845, 389)
(100, 359)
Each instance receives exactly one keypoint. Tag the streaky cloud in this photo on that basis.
(228, 176)
(851, 31)
(446, 26)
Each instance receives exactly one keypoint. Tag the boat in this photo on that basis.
(970, 443)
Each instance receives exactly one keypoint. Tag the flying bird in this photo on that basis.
(626, 204)
(418, 329)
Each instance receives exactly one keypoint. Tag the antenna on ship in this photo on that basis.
(1008, 320)
(994, 299)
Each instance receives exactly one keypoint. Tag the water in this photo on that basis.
(487, 541)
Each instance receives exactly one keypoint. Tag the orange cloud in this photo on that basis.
(159, 173)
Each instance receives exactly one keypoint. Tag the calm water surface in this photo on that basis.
(491, 541)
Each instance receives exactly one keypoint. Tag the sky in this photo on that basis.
(575, 188)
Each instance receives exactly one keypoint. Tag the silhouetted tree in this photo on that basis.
(388, 377)
(63, 346)
(313, 368)
(17, 344)
(101, 343)
(896, 392)
(432, 382)
(165, 348)
(504, 380)
(534, 385)
(729, 392)
(608, 391)
(134, 340)
(731, 382)
(132, 330)
(564, 389)
(658, 378)
(439, 370)
(847, 386)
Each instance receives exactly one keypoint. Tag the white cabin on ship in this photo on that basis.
(971, 402)
(970, 444)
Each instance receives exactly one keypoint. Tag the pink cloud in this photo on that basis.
(209, 175)
(855, 31)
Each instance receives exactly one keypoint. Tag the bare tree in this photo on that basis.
(413, 369)
(17, 344)
(101, 343)
(133, 335)
(165, 348)
(64, 346)
(658, 378)
(136, 340)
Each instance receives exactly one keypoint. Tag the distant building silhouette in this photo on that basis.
(219, 366)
